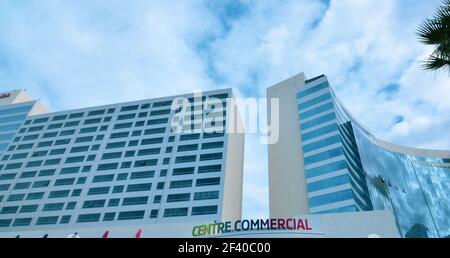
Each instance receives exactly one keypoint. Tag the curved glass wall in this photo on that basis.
(416, 188)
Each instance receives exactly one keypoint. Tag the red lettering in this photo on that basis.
(281, 223)
(307, 225)
(300, 225)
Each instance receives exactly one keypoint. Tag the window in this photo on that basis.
(127, 116)
(209, 169)
(183, 171)
(71, 205)
(112, 155)
(16, 197)
(62, 142)
(319, 132)
(162, 104)
(35, 196)
(79, 149)
(71, 124)
(114, 145)
(160, 112)
(53, 206)
(180, 184)
(65, 219)
(59, 194)
(59, 118)
(93, 217)
(187, 137)
(20, 186)
(211, 156)
(75, 159)
(160, 186)
(152, 141)
(46, 135)
(183, 197)
(22, 222)
(9, 209)
(89, 130)
(94, 204)
(212, 145)
(185, 159)
(155, 131)
(64, 181)
(157, 121)
(123, 126)
(98, 190)
(324, 156)
(129, 108)
(308, 91)
(114, 202)
(135, 201)
(70, 170)
(47, 220)
(96, 112)
(103, 178)
(322, 143)
(204, 210)
(145, 163)
(28, 208)
(143, 174)
(163, 173)
(213, 135)
(108, 166)
(57, 151)
(46, 172)
(154, 214)
(109, 216)
(190, 147)
(76, 115)
(28, 174)
(39, 184)
(129, 215)
(139, 187)
(157, 199)
(84, 139)
(76, 192)
(81, 180)
(67, 132)
(206, 195)
(38, 154)
(208, 181)
(119, 135)
(175, 212)
(118, 189)
(122, 176)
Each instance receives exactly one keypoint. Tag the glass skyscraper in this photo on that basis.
(120, 164)
(336, 165)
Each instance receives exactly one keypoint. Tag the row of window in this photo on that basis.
(111, 216)
(114, 202)
(106, 189)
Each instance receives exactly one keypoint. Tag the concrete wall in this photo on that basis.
(233, 187)
(287, 180)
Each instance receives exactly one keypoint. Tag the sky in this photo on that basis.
(82, 53)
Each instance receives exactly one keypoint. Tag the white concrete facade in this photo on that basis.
(287, 180)
(350, 225)
(81, 138)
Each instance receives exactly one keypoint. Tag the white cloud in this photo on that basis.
(85, 53)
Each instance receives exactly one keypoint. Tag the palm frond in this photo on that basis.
(436, 63)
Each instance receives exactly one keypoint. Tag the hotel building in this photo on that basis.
(327, 162)
(120, 165)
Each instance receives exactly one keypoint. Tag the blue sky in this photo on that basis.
(81, 53)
